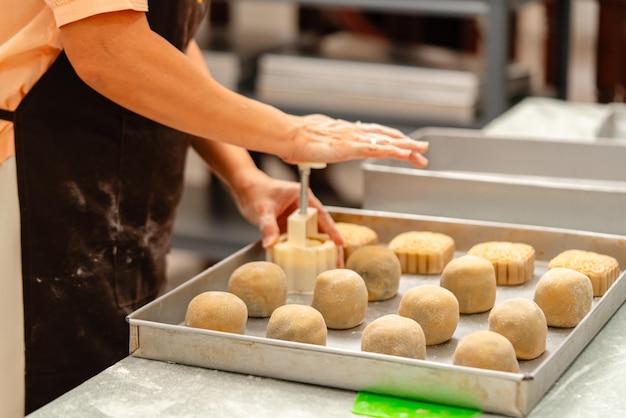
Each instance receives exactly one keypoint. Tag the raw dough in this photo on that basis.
(565, 296)
(523, 323)
(218, 311)
(423, 252)
(434, 308)
(355, 236)
(380, 269)
(341, 297)
(486, 350)
(299, 323)
(262, 285)
(394, 335)
(514, 262)
(472, 279)
(601, 269)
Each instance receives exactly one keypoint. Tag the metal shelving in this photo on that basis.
(496, 14)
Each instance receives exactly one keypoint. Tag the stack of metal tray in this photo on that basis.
(572, 184)
(157, 330)
(614, 125)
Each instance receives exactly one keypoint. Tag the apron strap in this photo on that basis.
(7, 115)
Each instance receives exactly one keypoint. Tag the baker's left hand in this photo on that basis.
(268, 202)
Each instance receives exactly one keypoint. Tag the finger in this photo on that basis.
(418, 160)
(383, 147)
(377, 150)
(382, 130)
(327, 225)
(270, 232)
(419, 146)
(407, 143)
(325, 221)
(340, 263)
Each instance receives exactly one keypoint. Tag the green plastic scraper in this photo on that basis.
(380, 406)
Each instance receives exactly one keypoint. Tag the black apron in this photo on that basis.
(98, 188)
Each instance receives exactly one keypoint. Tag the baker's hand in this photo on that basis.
(268, 202)
(320, 138)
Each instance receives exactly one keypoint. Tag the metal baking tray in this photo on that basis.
(571, 184)
(157, 330)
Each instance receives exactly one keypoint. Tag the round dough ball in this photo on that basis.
(380, 269)
(341, 297)
(601, 269)
(472, 279)
(218, 311)
(564, 296)
(486, 350)
(434, 308)
(355, 236)
(299, 323)
(394, 335)
(523, 323)
(262, 285)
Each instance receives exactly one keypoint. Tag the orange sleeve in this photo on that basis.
(68, 11)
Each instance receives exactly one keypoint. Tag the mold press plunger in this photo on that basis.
(303, 252)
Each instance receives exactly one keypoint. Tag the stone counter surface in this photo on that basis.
(594, 386)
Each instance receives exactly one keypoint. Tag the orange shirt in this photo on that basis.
(29, 43)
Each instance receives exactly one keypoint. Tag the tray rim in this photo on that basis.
(469, 133)
(544, 182)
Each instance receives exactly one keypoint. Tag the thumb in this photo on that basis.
(270, 232)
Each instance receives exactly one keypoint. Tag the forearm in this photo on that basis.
(120, 57)
(230, 163)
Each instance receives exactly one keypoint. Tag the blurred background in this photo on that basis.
(402, 67)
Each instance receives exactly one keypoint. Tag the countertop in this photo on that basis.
(593, 386)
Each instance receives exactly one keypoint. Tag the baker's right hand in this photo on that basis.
(321, 138)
